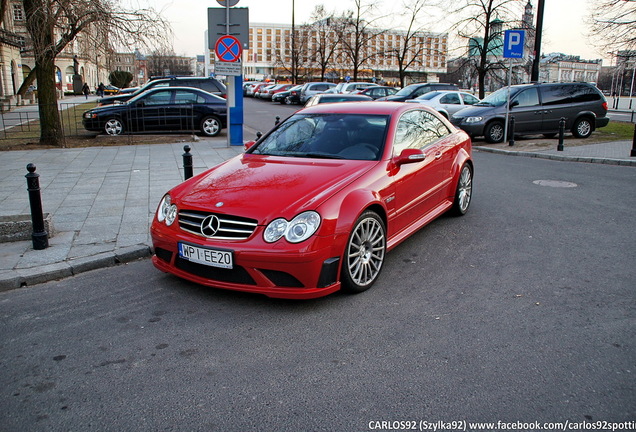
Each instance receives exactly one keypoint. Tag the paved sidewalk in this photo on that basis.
(102, 199)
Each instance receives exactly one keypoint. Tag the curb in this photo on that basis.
(45, 273)
(586, 159)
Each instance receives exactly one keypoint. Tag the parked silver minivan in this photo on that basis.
(537, 109)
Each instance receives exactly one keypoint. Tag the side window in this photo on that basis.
(450, 98)
(186, 97)
(418, 129)
(469, 99)
(568, 93)
(420, 91)
(158, 98)
(528, 97)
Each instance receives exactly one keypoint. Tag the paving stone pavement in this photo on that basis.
(102, 199)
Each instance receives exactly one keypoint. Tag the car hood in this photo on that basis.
(268, 187)
(476, 111)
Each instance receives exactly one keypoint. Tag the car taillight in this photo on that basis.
(605, 105)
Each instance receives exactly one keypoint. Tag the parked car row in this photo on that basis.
(536, 108)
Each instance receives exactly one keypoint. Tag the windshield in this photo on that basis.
(497, 98)
(327, 136)
(406, 90)
(428, 96)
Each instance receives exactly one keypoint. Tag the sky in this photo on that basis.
(564, 28)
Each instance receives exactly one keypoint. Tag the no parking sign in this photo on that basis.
(228, 49)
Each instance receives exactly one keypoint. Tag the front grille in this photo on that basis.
(218, 226)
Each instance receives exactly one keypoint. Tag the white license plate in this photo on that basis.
(205, 256)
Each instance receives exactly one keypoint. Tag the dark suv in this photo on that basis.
(415, 90)
(208, 84)
(537, 109)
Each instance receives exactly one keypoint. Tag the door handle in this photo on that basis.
(438, 155)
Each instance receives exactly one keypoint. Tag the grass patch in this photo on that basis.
(616, 131)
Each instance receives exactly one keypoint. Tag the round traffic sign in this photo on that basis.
(228, 49)
(223, 2)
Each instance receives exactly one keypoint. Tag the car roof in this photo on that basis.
(366, 107)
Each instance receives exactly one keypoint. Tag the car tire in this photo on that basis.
(288, 101)
(211, 126)
(113, 126)
(283, 101)
(364, 253)
(464, 191)
(494, 132)
(582, 128)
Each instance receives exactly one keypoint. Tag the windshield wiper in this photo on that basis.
(320, 155)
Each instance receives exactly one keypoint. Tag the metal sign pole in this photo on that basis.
(508, 100)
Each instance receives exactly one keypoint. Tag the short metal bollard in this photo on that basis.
(561, 133)
(39, 236)
(187, 162)
(277, 121)
(633, 152)
(511, 131)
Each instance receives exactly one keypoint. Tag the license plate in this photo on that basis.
(205, 256)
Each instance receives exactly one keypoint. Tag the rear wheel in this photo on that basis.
(582, 128)
(364, 253)
(211, 126)
(494, 132)
(113, 126)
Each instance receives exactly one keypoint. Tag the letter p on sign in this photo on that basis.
(513, 43)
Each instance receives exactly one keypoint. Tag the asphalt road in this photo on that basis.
(523, 310)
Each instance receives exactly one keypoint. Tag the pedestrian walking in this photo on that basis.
(100, 90)
(86, 90)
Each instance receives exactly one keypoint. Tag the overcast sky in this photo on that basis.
(564, 28)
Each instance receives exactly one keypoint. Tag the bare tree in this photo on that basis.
(297, 68)
(53, 24)
(475, 25)
(325, 42)
(613, 24)
(358, 35)
(409, 52)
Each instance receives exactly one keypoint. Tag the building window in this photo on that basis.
(18, 13)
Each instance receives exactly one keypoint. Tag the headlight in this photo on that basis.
(299, 229)
(167, 212)
(473, 119)
(89, 115)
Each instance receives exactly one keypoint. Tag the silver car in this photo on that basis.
(446, 102)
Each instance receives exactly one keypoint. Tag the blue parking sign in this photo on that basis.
(514, 41)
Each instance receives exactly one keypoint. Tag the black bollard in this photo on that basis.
(633, 153)
(39, 236)
(511, 131)
(561, 132)
(259, 135)
(187, 162)
(277, 121)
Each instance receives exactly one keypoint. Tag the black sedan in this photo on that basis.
(162, 109)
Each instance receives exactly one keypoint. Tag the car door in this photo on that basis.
(451, 103)
(527, 110)
(148, 114)
(184, 112)
(420, 186)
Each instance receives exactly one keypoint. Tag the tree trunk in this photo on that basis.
(51, 132)
(40, 27)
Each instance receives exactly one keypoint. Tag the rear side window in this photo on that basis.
(418, 129)
(568, 93)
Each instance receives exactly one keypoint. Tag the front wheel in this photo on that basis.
(211, 126)
(364, 253)
(464, 191)
(582, 128)
(114, 126)
(494, 132)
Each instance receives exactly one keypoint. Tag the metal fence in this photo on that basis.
(23, 122)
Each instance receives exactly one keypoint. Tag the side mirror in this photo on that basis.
(409, 156)
(514, 103)
(249, 144)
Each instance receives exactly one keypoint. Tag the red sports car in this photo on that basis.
(314, 205)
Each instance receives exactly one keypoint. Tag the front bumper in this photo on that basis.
(277, 270)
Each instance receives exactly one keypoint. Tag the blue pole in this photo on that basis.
(236, 110)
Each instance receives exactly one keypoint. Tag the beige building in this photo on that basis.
(558, 67)
(270, 47)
